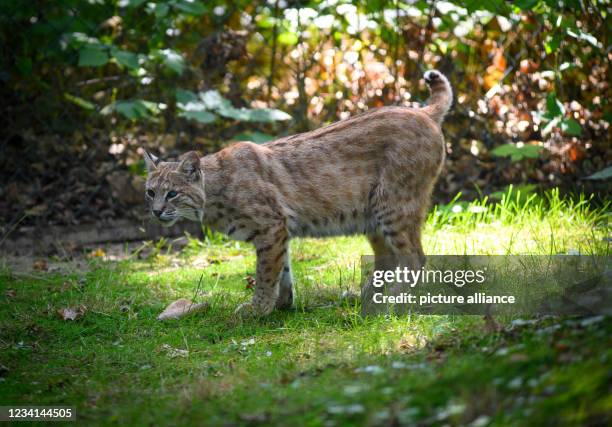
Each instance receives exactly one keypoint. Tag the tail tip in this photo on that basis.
(433, 76)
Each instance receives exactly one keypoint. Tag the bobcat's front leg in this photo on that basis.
(271, 249)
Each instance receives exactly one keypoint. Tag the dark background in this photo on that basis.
(85, 85)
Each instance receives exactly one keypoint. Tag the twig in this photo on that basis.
(12, 228)
(273, 55)
(197, 291)
(30, 276)
(396, 52)
(98, 80)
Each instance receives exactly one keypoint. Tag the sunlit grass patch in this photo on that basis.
(321, 363)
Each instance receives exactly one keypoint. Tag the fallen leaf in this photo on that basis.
(250, 282)
(248, 342)
(411, 342)
(40, 265)
(181, 308)
(97, 253)
(72, 313)
(200, 263)
(10, 293)
(174, 352)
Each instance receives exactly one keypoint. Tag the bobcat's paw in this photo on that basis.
(285, 300)
(248, 309)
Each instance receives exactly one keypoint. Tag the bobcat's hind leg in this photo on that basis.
(285, 292)
(384, 259)
(405, 243)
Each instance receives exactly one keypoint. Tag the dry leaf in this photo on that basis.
(98, 253)
(10, 293)
(40, 265)
(411, 342)
(496, 70)
(250, 282)
(181, 308)
(174, 352)
(72, 313)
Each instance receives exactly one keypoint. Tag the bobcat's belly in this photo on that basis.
(340, 225)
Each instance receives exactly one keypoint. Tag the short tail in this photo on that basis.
(441, 97)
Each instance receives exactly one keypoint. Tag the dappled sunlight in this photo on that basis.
(474, 128)
(323, 347)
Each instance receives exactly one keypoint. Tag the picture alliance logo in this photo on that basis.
(407, 276)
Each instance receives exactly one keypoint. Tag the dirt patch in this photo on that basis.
(64, 241)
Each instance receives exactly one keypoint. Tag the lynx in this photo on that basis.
(370, 174)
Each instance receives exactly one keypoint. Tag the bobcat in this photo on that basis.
(370, 174)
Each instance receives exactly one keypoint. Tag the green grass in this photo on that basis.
(320, 364)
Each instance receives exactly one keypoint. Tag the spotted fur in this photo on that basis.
(371, 174)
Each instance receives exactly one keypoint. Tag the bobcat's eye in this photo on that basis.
(151, 193)
(171, 195)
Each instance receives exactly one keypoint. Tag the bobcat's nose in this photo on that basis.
(157, 212)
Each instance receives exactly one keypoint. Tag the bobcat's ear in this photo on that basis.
(150, 161)
(189, 164)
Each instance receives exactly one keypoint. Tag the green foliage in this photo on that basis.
(571, 127)
(555, 116)
(115, 65)
(256, 137)
(125, 58)
(171, 59)
(196, 107)
(133, 42)
(517, 152)
(93, 56)
(602, 174)
(133, 110)
(200, 116)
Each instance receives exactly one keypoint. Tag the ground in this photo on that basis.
(319, 364)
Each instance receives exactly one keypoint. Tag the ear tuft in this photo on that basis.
(189, 164)
(150, 161)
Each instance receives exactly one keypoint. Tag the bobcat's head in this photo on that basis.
(175, 190)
